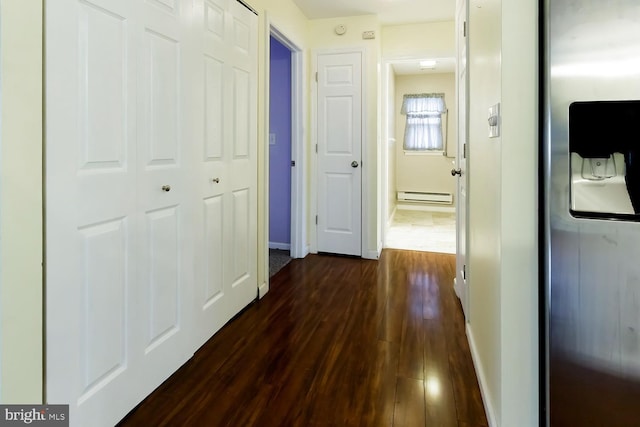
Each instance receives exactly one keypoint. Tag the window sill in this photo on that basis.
(423, 153)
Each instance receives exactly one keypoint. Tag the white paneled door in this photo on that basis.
(133, 116)
(226, 164)
(460, 286)
(339, 113)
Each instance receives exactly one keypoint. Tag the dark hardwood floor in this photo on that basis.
(336, 342)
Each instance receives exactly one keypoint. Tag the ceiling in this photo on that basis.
(390, 12)
(443, 65)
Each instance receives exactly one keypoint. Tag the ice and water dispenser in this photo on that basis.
(604, 143)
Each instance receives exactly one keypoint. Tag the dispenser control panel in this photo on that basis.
(604, 150)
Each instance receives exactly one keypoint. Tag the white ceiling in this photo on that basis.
(390, 12)
(443, 65)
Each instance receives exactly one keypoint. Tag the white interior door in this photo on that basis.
(339, 149)
(91, 210)
(127, 202)
(162, 319)
(226, 265)
(461, 158)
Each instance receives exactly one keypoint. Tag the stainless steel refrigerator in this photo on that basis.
(591, 186)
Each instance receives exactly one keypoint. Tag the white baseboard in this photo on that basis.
(263, 289)
(482, 381)
(281, 246)
(428, 208)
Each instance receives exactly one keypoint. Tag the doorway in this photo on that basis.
(280, 162)
(285, 142)
(419, 202)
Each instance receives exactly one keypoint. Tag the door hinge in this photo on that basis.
(464, 272)
(316, 219)
(464, 29)
(316, 76)
(464, 150)
(316, 148)
(293, 163)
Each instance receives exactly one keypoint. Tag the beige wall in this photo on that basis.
(519, 234)
(429, 39)
(484, 201)
(323, 37)
(21, 202)
(426, 172)
(502, 254)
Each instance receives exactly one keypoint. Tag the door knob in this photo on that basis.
(166, 188)
(455, 172)
(354, 164)
(216, 180)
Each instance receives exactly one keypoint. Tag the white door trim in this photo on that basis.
(299, 247)
(387, 133)
(366, 167)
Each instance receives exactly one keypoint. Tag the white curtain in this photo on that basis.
(423, 131)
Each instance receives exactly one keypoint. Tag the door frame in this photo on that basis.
(365, 217)
(387, 134)
(299, 248)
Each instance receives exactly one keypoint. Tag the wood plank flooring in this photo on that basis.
(336, 342)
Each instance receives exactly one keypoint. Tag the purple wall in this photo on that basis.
(280, 153)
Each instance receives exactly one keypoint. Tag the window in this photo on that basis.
(423, 131)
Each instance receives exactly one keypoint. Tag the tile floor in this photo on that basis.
(423, 231)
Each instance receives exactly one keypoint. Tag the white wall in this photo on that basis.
(21, 201)
(390, 128)
(503, 276)
(426, 172)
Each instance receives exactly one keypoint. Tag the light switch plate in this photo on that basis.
(494, 121)
(272, 139)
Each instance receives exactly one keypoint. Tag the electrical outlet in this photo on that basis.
(368, 35)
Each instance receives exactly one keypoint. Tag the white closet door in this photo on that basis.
(119, 278)
(226, 265)
(165, 192)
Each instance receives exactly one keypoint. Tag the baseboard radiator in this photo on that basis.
(424, 197)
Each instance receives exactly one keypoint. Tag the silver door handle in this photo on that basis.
(166, 188)
(354, 164)
(455, 172)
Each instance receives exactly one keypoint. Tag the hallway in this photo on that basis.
(337, 341)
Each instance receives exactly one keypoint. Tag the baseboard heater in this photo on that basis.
(415, 196)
